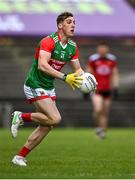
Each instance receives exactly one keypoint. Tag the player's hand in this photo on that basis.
(115, 93)
(73, 80)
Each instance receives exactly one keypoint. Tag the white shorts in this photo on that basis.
(38, 94)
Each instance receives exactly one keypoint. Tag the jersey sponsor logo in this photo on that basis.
(103, 70)
(56, 64)
(57, 61)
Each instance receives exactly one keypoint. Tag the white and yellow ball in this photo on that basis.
(89, 83)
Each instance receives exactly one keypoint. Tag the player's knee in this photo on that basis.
(44, 129)
(98, 111)
(56, 119)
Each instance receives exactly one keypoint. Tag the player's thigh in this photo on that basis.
(97, 101)
(48, 107)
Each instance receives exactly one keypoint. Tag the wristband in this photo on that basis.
(64, 77)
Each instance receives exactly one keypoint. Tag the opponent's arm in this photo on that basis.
(115, 82)
(115, 78)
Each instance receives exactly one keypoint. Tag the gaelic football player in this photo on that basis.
(104, 67)
(52, 53)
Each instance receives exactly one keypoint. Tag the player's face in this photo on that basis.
(68, 26)
(102, 50)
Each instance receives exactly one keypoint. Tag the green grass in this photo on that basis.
(71, 153)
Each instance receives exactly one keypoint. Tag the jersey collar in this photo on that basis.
(59, 38)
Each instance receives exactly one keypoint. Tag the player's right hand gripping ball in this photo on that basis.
(89, 83)
(74, 80)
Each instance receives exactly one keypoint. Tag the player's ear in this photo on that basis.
(59, 25)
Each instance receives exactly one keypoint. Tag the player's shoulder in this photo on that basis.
(71, 42)
(48, 39)
(111, 57)
(94, 57)
(54, 36)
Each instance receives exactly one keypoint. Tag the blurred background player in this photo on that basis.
(104, 67)
(52, 53)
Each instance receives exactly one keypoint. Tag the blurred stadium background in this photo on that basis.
(24, 22)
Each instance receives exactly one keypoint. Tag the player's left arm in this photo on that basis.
(115, 78)
(75, 63)
(76, 67)
(115, 82)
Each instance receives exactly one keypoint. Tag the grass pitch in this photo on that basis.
(71, 153)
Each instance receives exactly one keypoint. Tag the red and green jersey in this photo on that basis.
(60, 55)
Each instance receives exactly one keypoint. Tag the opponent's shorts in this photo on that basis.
(38, 94)
(105, 94)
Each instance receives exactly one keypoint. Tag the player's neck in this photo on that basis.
(103, 55)
(63, 38)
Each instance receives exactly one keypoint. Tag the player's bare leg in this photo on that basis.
(44, 106)
(33, 140)
(97, 101)
(37, 136)
(105, 112)
(47, 116)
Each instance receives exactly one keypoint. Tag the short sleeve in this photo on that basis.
(47, 44)
(76, 56)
